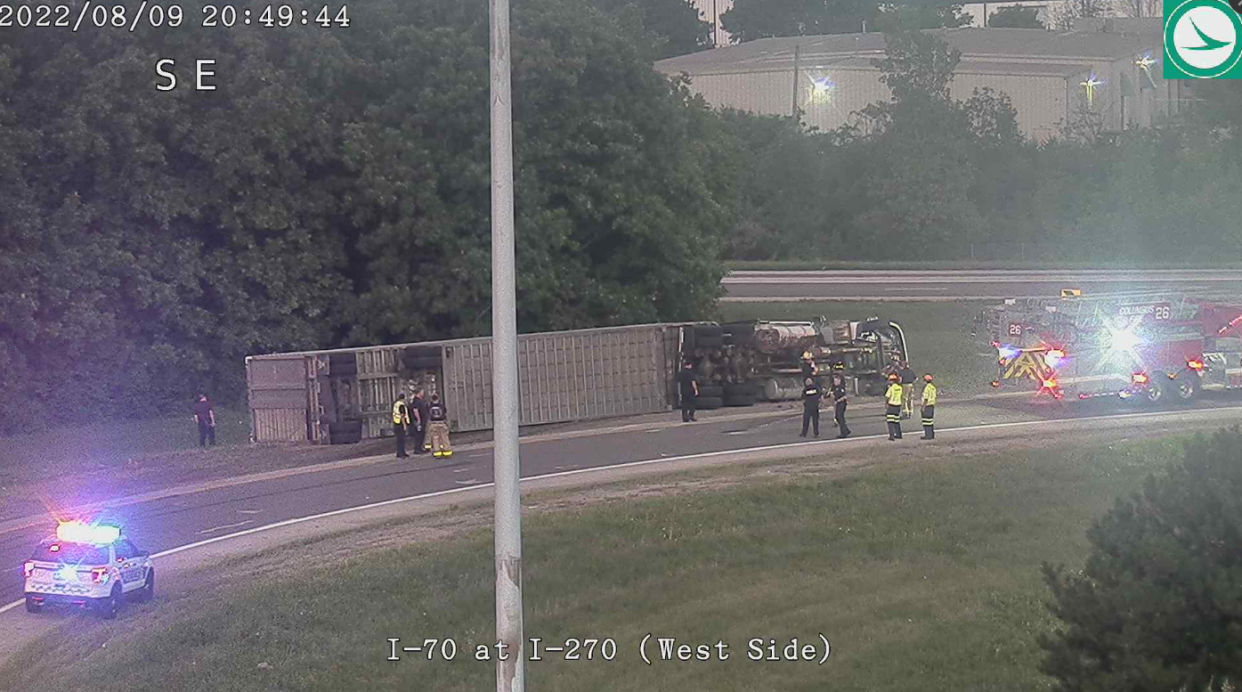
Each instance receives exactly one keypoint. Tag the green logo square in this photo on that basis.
(1202, 40)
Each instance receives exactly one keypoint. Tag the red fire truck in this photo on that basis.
(1146, 346)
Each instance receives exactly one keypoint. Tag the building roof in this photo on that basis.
(1037, 48)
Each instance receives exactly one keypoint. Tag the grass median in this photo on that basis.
(938, 335)
(923, 576)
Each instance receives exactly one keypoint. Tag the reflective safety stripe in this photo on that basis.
(928, 422)
(893, 419)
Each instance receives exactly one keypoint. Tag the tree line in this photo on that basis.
(924, 176)
(334, 190)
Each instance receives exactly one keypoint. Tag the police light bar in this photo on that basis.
(1194, 364)
(78, 532)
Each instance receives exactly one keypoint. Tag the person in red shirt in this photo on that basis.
(205, 416)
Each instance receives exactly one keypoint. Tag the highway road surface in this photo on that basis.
(944, 286)
(189, 518)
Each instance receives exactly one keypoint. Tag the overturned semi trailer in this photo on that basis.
(346, 395)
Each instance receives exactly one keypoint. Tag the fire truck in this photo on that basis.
(1145, 346)
(741, 362)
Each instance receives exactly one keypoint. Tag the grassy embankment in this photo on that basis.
(923, 577)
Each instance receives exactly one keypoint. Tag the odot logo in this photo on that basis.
(1202, 39)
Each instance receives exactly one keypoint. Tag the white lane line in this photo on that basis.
(460, 470)
(226, 526)
(468, 481)
(635, 464)
(249, 511)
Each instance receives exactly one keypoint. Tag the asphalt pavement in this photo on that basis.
(176, 521)
(894, 286)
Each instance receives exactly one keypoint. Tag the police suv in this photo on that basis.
(90, 566)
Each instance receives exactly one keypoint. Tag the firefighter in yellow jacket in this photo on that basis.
(400, 423)
(929, 408)
(892, 414)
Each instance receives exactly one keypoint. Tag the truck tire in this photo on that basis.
(711, 391)
(708, 402)
(742, 389)
(1185, 387)
(708, 331)
(33, 606)
(739, 400)
(1157, 389)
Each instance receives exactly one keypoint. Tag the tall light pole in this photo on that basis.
(510, 673)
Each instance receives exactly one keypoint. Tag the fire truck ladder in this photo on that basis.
(1069, 316)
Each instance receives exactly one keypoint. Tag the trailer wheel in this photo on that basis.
(711, 391)
(741, 389)
(708, 402)
(1186, 386)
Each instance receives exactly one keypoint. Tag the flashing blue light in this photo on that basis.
(1007, 352)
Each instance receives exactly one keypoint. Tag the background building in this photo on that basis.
(1107, 67)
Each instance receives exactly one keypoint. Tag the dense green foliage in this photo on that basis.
(924, 177)
(670, 27)
(1016, 17)
(748, 20)
(1157, 605)
(334, 190)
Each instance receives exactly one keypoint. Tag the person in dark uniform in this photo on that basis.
(420, 423)
(205, 416)
(840, 399)
(689, 391)
(812, 393)
(907, 389)
(400, 423)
